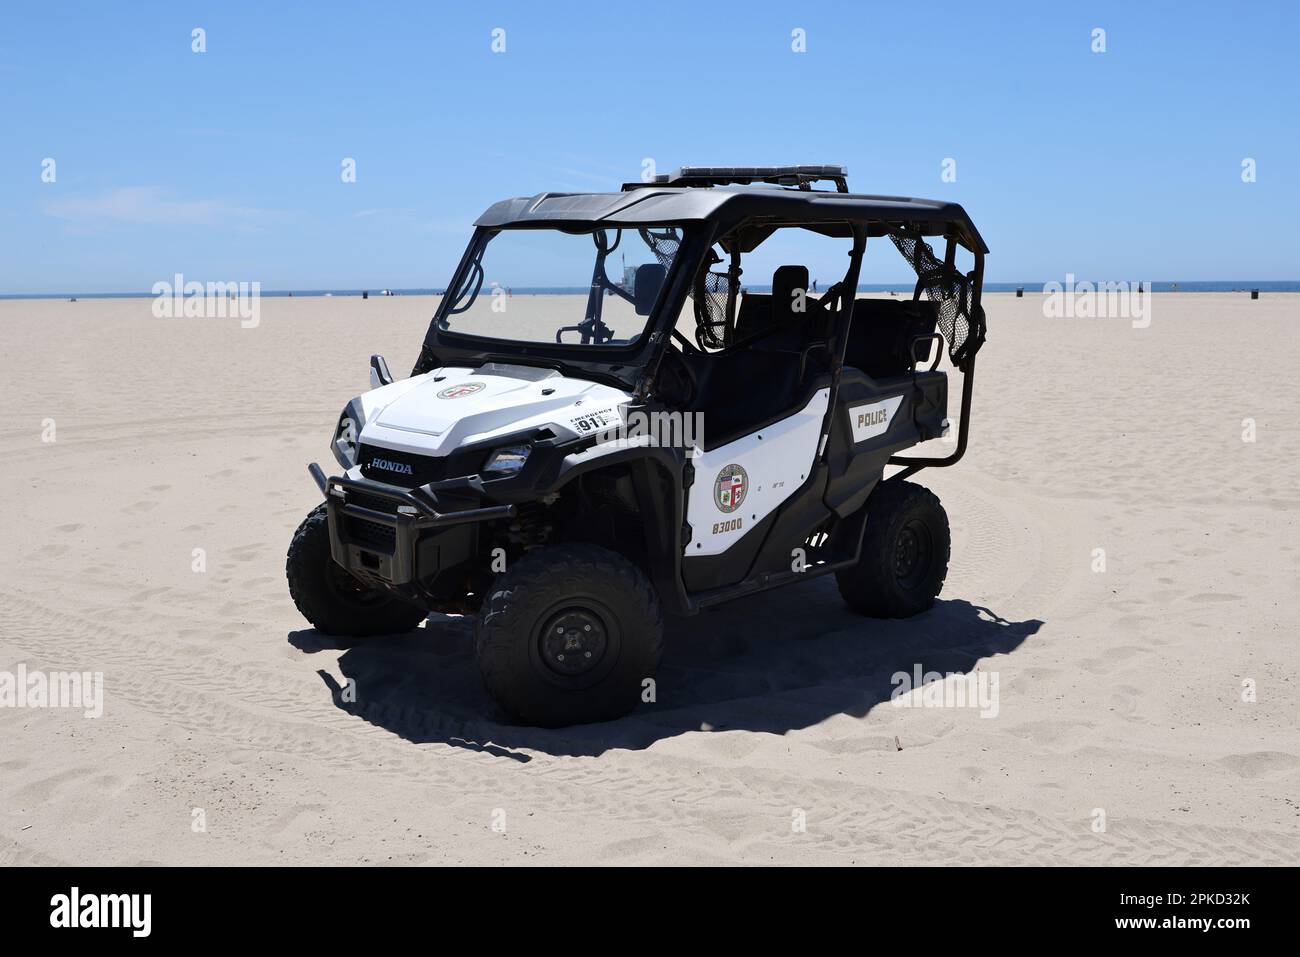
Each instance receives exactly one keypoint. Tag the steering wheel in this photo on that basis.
(589, 330)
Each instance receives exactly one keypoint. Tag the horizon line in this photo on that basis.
(1243, 285)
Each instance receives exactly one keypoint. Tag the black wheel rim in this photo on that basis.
(575, 643)
(913, 554)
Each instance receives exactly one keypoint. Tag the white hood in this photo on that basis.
(442, 410)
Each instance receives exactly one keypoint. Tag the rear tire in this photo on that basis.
(331, 599)
(568, 636)
(905, 550)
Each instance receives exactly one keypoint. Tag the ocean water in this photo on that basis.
(1216, 285)
(1198, 285)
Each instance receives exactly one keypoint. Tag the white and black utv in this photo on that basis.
(662, 438)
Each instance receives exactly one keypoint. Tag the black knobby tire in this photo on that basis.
(331, 599)
(905, 552)
(568, 635)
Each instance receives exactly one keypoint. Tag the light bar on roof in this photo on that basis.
(800, 176)
(757, 172)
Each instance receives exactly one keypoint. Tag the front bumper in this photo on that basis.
(395, 536)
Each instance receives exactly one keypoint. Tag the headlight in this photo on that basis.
(507, 460)
(345, 437)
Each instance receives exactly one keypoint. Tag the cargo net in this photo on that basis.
(960, 321)
(708, 292)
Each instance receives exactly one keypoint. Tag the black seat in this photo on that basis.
(737, 391)
(786, 282)
(881, 336)
(754, 315)
(760, 314)
(763, 380)
(647, 281)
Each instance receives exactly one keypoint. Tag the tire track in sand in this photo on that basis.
(692, 800)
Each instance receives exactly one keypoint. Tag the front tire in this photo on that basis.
(331, 599)
(568, 636)
(905, 550)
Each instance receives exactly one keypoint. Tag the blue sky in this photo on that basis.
(226, 164)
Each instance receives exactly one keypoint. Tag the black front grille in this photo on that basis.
(365, 532)
(378, 503)
(423, 468)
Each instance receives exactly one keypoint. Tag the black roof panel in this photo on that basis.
(651, 205)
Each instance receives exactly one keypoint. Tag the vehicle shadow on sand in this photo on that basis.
(776, 662)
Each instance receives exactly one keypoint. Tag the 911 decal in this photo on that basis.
(873, 419)
(594, 421)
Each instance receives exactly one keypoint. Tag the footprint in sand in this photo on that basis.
(859, 745)
(1123, 704)
(1051, 731)
(1110, 657)
(296, 824)
(1261, 764)
(632, 847)
(1131, 622)
(47, 788)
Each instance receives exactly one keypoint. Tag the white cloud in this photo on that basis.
(408, 217)
(385, 212)
(151, 205)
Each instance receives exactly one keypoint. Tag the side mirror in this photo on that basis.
(646, 283)
(379, 374)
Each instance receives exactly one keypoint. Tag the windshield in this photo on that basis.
(545, 285)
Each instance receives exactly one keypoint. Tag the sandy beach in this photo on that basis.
(1147, 709)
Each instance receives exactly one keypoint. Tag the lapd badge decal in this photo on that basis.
(461, 390)
(730, 488)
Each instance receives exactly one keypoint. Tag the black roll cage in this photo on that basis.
(756, 214)
(859, 232)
